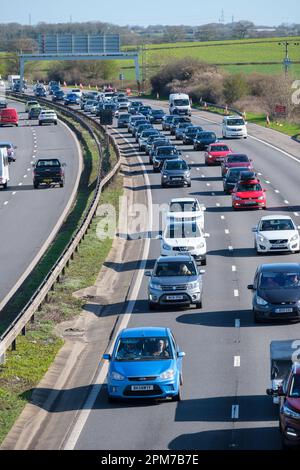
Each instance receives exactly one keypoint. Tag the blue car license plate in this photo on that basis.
(141, 388)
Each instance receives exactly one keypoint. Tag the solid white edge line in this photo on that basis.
(236, 293)
(100, 379)
(233, 268)
(230, 248)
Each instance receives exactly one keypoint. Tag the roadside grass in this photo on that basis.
(36, 351)
(84, 196)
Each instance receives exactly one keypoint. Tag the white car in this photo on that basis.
(91, 106)
(184, 237)
(47, 116)
(77, 91)
(187, 208)
(276, 233)
(234, 127)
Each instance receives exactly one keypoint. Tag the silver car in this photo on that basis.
(175, 280)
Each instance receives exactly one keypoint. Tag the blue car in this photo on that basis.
(145, 363)
(72, 98)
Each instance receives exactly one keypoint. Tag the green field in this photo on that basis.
(222, 52)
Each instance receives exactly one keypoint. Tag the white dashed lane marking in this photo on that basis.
(233, 269)
(236, 293)
(235, 412)
(227, 231)
(237, 361)
(230, 248)
(6, 202)
(286, 202)
(223, 217)
(237, 323)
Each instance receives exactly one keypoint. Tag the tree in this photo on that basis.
(235, 87)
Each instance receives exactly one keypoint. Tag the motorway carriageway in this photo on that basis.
(29, 216)
(226, 369)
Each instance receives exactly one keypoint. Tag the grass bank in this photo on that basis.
(35, 352)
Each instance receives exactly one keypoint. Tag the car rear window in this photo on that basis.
(42, 163)
(219, 148)
(166, 151)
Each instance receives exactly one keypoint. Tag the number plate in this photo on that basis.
(176, 178)
(174, 297)
(136, 388)
(47, 181)
(283, 310)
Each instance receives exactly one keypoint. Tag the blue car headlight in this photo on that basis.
(116, 376)
(168, 374)
(152, 285)
(261, 301)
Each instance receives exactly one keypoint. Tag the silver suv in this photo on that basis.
(175, 280)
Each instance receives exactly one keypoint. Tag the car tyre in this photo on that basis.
(257, 319)
(198, 305)
(178, 397)
(111, 399)
(204, 262)
(36, 185)
(189, 185)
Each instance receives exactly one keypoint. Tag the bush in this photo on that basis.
(235, 87)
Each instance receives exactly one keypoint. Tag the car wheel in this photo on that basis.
(181, 379)
(55, 123)
(35, 185)
(177, 397)
(203, 262)
(61, 185)
(163, 185)
(40, 123)
(198, 305)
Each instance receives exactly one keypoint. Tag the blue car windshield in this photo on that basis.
(295, 387)
(144, 349)
(279, 280)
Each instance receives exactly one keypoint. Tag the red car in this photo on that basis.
(9, 116)
(236, 160)
(216, 153)
(249, 194)
(289, 415)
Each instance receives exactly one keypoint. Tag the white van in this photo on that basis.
(234, 126)
(4, 168)
(179, 103)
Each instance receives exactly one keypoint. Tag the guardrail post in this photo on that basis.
(24, 331)
(52, 287)
(32, 319)
(14, 345)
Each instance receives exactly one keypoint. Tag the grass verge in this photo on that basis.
(36, 351)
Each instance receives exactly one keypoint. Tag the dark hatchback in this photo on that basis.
(166, 122)
(204, 139)
(177, 120)
(231, 178)
(276, 292)
(190, 133)
(156, 116)
(157, 143)
(58, 95)
(164, 153)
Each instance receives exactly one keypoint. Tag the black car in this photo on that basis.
(145, 110)
(156, 116)
(3, 103)
(190, 133)
(123, 120)
(103, 106)
(164, 153)
(180, 128)
(177, 120)
(203, 139)
(175, 172)
(134, 107)
(231, 178)
(58, 95)
(48, 171)
(166, 122)
(150, 141)
(34, 112)
(276, 292)
(162, 142)
(40, 93)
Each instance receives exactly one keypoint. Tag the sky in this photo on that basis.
(141, 12)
